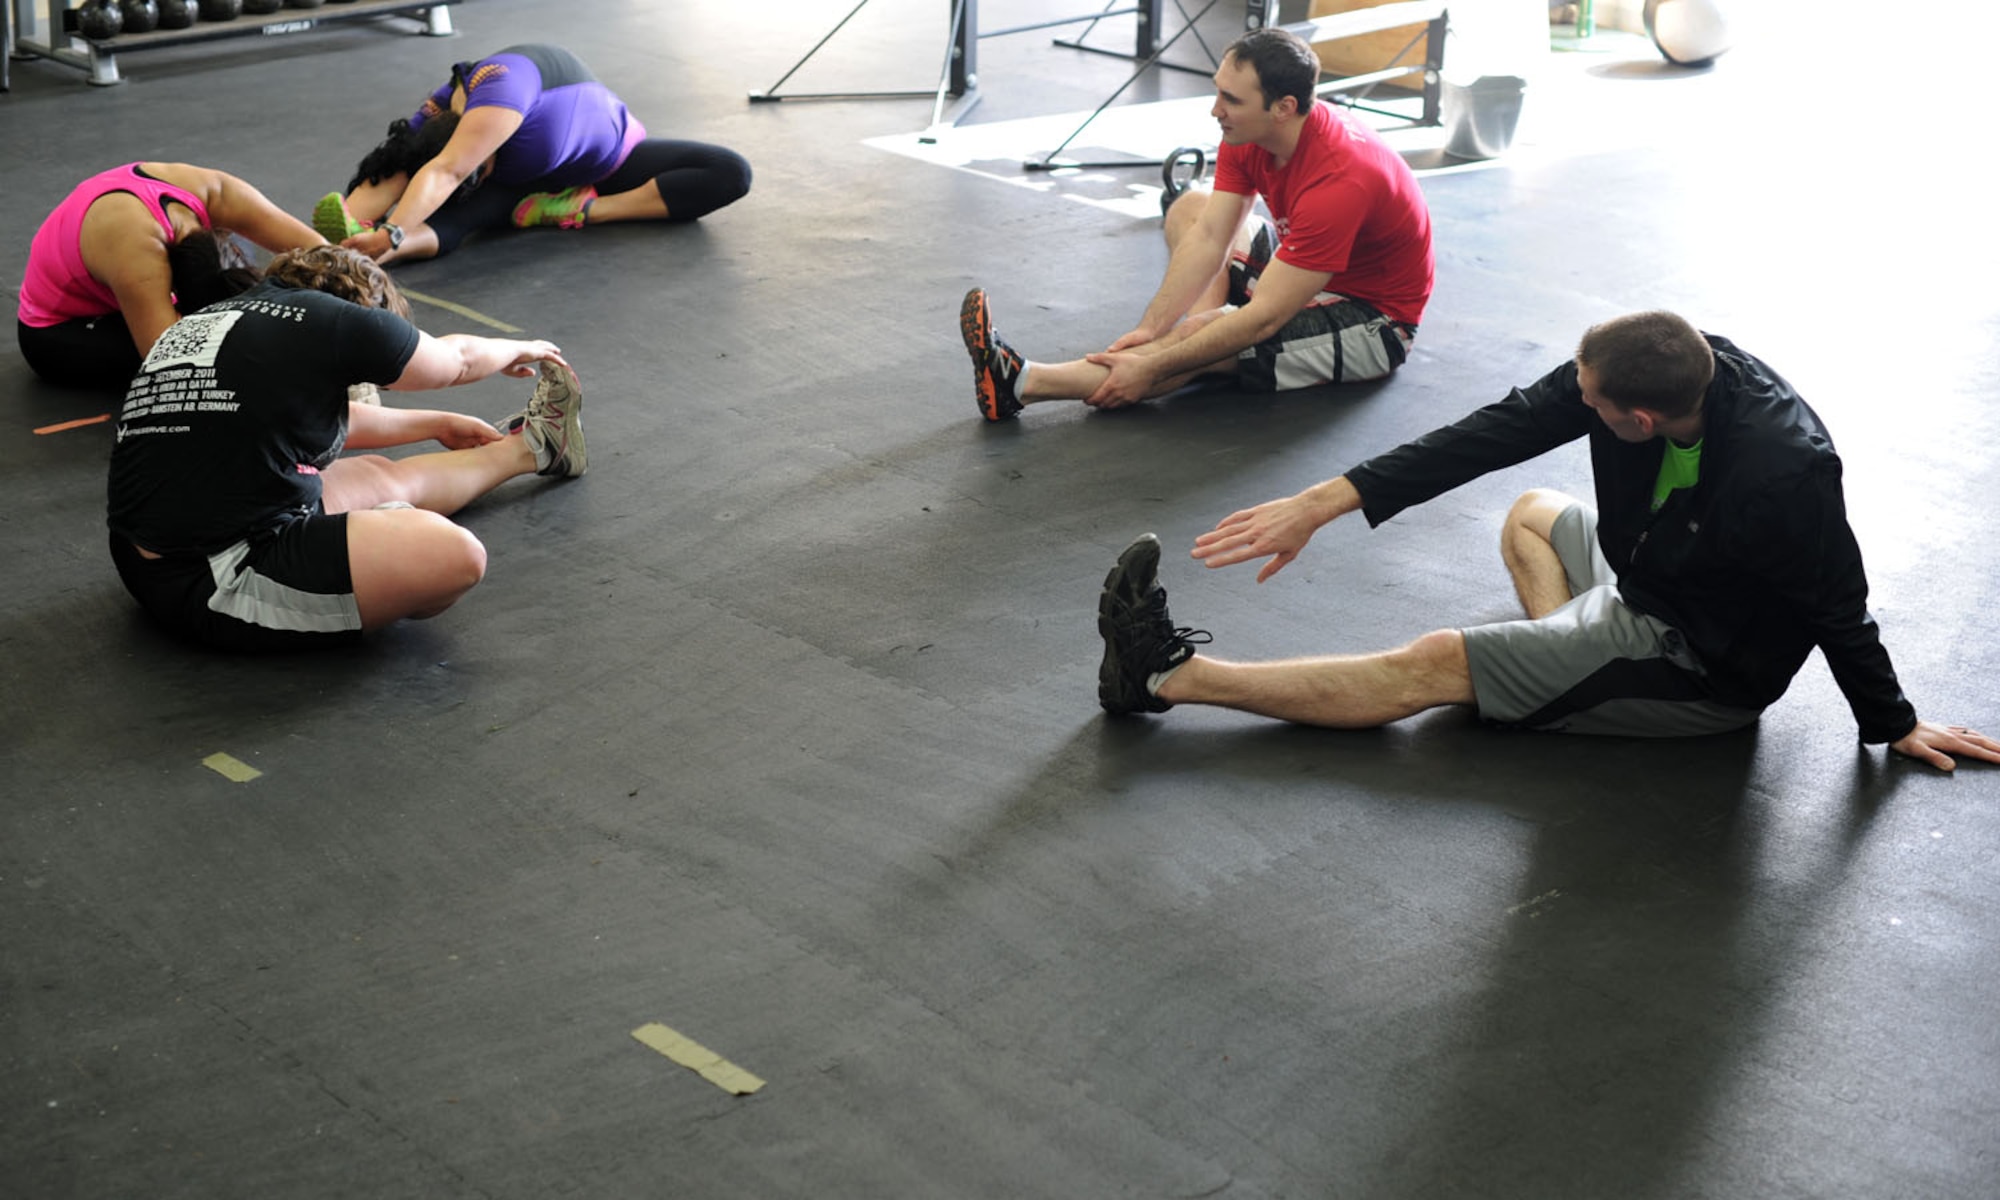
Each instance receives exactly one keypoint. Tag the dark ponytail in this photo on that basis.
(200, 279)
(407, 148)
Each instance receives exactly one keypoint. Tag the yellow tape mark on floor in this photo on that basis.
(461, 310)
(698, 1058)
(230, 767)
(79, 423)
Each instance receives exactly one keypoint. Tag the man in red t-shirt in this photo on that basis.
(1328, 291)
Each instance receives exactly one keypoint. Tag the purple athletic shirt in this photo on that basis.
(573, 129)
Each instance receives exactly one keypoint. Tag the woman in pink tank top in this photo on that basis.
(125, 254)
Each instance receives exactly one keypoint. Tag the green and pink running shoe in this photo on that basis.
(331, 221)
(568, 209)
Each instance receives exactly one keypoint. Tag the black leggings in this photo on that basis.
(694, 178)
(89, 352)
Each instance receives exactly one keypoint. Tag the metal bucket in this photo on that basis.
(1479, 117)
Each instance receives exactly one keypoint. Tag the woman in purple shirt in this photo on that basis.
(524, 137)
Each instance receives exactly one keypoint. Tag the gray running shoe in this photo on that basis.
(553, 423)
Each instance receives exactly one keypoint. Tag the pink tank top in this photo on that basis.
(57, 287)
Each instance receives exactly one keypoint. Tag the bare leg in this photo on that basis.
(642, 203)
(1341, 692)
(1079, 377)
(371, 201)
(409, 563)
(1525, 546)
(413, 562)
(1004, 380)
(1183, 216)
(442, 482)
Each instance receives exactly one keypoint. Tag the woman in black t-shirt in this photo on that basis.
(234, 518)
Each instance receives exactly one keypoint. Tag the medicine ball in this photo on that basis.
(1689, 32)
(141, 16)
(100, 19)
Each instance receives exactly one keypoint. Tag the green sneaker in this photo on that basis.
(331, 221)
(568, 209)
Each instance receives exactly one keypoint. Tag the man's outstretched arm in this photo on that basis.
(1276, 529)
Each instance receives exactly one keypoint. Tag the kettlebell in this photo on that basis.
(176, 14)
(260, 8)
(221, 10)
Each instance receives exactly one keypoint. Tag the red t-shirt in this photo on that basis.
(1345, 204)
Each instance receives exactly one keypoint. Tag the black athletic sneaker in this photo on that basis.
(1139, 637)
(995, 365)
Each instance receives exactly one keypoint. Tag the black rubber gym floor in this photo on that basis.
(779, 728)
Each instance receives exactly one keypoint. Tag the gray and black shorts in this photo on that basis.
(290, 588)
(1334, 339)
(1594, 665)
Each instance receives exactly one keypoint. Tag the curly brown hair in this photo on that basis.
(337, 271)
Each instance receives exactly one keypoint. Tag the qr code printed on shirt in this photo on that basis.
(191, 341)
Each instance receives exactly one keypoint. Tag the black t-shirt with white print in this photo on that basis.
(237, 409)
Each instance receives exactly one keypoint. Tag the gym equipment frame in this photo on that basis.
(99, 58)
(1432, 14)
(959, 78)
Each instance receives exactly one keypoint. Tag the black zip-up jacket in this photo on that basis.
(1755, 565)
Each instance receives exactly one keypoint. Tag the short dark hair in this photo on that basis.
(1285, 64)
(1652, 360)
(200, 278)
(338, 271)
(406, 148)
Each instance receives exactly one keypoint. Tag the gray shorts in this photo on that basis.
(1594, 665)
(1333, 339)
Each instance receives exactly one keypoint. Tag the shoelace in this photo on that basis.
(1156, 612)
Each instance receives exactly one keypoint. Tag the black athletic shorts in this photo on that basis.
(89, 352)
(290, 588)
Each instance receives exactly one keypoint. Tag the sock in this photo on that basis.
(1021, 382)
(1157, 678)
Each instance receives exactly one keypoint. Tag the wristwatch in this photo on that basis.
(395, 233)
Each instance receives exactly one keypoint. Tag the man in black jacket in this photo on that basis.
(1716, 558)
